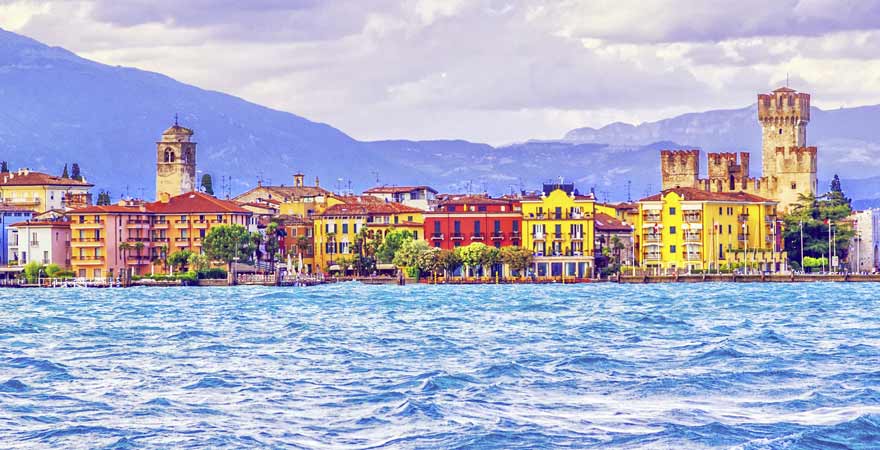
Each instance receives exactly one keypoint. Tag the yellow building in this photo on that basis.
(558, 227)
(336, 229)
(688, 229)
(42, 192)
(297, 199)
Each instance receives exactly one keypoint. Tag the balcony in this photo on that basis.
(742, 237)
(770, 220)
(160, 239)
(160, 224)
(88, 260)
(653, 238)
(477, 237)
(497, 236)
(86, 225)
(87, 242)
(181, 224)
(652, 257)
(538, 236)
(651, 217)
(35, 243)
(577, 236)
(743, 217)
(693, 218)
(200, 224)
(693, 257)
(437, 236)
(137, 239)
(457, 236)
(134, 260)
(515, 235)
(693, 237)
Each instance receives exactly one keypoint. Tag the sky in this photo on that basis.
(494, 71)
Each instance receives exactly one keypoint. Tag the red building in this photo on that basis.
(459, 220)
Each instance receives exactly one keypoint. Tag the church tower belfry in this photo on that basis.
(175, 162)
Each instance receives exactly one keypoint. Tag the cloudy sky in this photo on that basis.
(495, 71)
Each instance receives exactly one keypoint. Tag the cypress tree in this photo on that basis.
(64, 173)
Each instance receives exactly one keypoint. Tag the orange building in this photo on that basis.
(107, 240)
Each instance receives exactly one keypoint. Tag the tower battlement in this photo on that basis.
(726, 164)
(784, 105)
(679, 168)
(796, 159)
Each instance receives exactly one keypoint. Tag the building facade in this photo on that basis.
(40, 192)
(11, 215)
(107, 240)
(864, 250)
(43, 242)
(175, 162)
(419, 197)
(458, 221)
(688, 229)
(788, 164)
(336, 229)
(558, 227)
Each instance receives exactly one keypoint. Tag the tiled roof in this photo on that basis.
(95, 209)
(13, 208)
(473, 200)
(397, 189)
(42, 223)
(195, 202)
(693, 194)
(366, 205)
(31, 178)
(604, 222)
(177, 129)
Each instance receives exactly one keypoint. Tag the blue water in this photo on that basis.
(744, 366)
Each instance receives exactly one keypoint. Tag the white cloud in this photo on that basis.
(485, 70)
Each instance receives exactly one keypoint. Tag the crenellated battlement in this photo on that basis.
(796, 159)
(679, 168)
(784, 105)
(728, 164)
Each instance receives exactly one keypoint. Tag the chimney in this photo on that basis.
(298, 179)
(164, 197)
(317, 182)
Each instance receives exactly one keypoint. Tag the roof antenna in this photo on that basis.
(175, 119)
(786, 79)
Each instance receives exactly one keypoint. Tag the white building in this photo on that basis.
(420, 197)
(44, 242)
(863, 254)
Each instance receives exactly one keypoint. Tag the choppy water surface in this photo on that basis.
(351, 366)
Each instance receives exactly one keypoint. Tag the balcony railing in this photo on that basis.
(181, 239)
(742, 237)
(35, 243)
(557, 236)
(770, 219)
(85, 239)
(742, 217)
(651, 217)
(577, 236)
(538, 236)
(693, 218)
(88, 258)
(693, 257)
(652, 257)
(653, 238)
(437, 236)
(457, 236)
(688, 237)
(497, 236)
(160, 239)
(477, 237)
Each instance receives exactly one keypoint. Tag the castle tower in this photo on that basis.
(175, 162)
(679, 168)
(784, 114)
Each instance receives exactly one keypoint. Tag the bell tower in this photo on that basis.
(175, 162)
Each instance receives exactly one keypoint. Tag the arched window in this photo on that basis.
(169, 155)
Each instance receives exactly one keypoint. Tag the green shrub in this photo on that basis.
(212, 274)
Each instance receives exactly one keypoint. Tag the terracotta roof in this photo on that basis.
(366, 205)
(604, 222)
(279, 193)
(784, 89)
(42, 223)
(473, 200)
(31, 178)
(177, 129)
(95, 209)
(693, 194)
(195, 202)
(397, 189)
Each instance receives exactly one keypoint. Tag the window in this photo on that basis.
(515, 226)
(344, 228)
(409, 218)
(458, 243)
(672, 249)
(729, 229)
(477, 228)
(436, 244)
(497, 226)
(437, 227)
(720, 211)
(450, 208)
(793, 186)
(671, 211)
(481, 208)
(457, 226)
(672, 230)
(780, 131)
(415, 235)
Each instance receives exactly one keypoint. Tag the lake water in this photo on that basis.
(746, 366)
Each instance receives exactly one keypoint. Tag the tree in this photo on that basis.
(394, 239)
(32, 271)
(103, 199)
(179, 259)
(198, 263)
(124, 248)
(163, 256)
(473, 255)
(448, 261)
(64, 173)
(518, 259)
(52, 270)
(228, 242)
(430, 261)
(4, 167)
(814, 215)
(271, 241)
(207, 184)
(74, 172)
(410, 254)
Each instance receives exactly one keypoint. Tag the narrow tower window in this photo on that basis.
(780, 131)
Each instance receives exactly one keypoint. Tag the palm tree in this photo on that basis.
(139, 246)
(124, 247)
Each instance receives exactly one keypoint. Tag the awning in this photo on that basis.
(386, 267)
(11, 269)
(334, 268)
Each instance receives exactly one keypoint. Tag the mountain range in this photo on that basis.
(58, 108)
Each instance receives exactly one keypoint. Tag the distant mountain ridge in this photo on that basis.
(57, 108)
